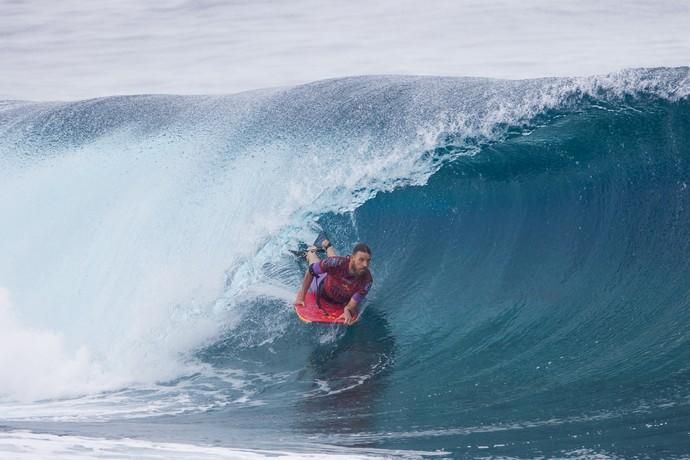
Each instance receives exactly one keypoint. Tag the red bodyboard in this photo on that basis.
(328, 313)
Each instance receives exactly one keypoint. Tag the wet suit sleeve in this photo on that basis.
(315, 269)
(363, 291)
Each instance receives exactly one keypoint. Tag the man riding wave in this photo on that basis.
(338, 280)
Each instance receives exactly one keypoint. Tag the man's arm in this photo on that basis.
(351, 308)
(314, 269)
(308, 277)
(350, 311)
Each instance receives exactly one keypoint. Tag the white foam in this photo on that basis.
(36, 362)
(24, 445)
(115, 258)
(208, 390)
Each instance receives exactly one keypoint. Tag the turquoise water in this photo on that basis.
(531, 291)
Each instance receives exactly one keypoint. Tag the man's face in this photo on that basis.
(359, 262)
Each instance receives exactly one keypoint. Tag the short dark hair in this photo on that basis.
(361, 247)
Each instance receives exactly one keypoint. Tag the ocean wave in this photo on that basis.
(528, 254)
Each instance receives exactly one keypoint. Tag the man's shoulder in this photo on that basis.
(335, 261)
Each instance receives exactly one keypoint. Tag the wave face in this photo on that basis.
(532, 284)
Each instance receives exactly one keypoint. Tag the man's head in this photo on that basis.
(359, 261)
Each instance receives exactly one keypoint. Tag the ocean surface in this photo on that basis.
(72, 49)
(530, 255)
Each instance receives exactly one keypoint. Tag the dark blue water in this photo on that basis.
(551, 295)
(532, 280)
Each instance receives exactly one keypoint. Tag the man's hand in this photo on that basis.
(299, 300)
(347, 317)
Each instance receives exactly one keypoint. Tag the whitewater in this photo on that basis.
(530, 231)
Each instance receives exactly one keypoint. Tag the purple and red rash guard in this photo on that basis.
(339, 285)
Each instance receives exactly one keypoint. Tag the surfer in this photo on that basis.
(338, 280)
